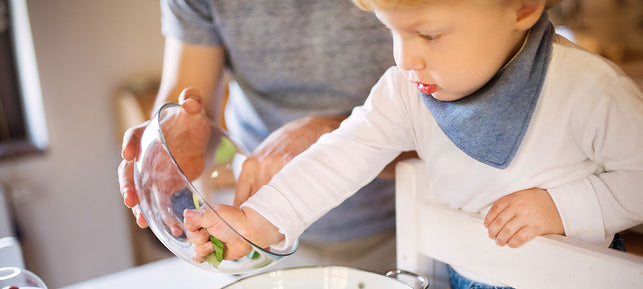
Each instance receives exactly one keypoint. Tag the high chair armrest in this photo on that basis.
(429, 233)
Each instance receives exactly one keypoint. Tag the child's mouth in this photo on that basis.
(426, 88)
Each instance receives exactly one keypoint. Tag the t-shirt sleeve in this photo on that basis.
(190, 21)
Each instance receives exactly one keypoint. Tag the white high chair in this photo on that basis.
(431, 234)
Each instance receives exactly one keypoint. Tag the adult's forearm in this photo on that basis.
(196, 66)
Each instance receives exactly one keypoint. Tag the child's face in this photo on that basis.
(452, 48)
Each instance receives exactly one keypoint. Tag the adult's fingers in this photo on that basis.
(126, 183)
(132, 141)
(140, 220)
(191, 101)
(172, 223)
(245, 183)
(269, 167)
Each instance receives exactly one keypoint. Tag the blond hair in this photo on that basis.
(370, 5)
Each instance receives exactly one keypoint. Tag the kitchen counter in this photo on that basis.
(170, 273)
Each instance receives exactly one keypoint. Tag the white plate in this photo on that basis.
(327, 277)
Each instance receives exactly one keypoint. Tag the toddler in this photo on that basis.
(505, 113)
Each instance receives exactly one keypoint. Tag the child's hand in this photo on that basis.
(246, 221)
(519, 217)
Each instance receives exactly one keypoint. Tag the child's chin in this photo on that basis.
(445, 96)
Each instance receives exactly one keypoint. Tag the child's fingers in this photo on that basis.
(499, 206)
(198, 237)
(198, 259)
(499, 222)
(216, 227)
(192, 220)
(521, 237)
(508, 231)
(204, 249)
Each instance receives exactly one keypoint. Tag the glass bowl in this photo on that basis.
(18, 278)
(187, 162)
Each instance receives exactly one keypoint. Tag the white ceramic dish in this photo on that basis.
(328, 277)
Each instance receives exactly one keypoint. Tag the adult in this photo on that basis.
(296, 69)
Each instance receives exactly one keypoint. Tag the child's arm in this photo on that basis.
(521, 216)
(246, 221)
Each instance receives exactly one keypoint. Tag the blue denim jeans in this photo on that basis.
(460, 282)
(618, 243)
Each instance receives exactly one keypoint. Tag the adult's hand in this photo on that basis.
(278, 149)
(185, 131)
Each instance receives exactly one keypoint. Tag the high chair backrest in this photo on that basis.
(430, 234)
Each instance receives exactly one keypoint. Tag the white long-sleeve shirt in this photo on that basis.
(584, 145)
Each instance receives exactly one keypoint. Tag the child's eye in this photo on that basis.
(430, 37)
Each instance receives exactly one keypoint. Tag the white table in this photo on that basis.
(171, 273)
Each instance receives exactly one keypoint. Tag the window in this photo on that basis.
(22, 120)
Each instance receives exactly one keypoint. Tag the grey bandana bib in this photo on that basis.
(489, 124)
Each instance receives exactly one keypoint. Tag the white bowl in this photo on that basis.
(335, 277)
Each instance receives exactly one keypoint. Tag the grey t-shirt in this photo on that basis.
(289, 59)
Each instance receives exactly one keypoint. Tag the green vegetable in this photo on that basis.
(254, 255)
(214, 258)
(225, 152)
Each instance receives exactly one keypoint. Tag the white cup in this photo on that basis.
(18, 278)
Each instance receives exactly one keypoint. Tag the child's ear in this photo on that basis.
(528, 13)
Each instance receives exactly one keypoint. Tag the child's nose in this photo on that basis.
(409, 58)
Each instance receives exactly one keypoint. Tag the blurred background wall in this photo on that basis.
(67, 205)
